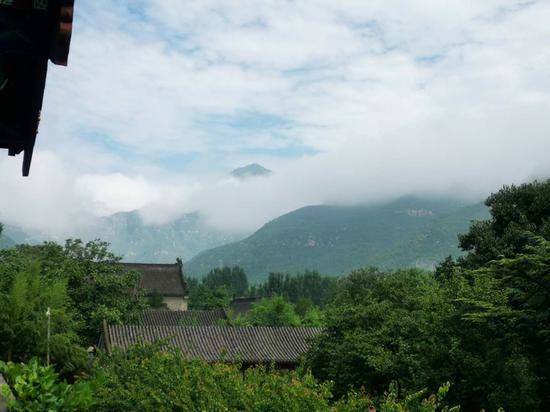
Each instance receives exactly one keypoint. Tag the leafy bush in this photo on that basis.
(149, 379)
(274, 311)
(38, 388)
(390, 402)
(277, 311)
(166, 381)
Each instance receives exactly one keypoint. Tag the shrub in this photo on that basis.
(38, 388)
(166, 381)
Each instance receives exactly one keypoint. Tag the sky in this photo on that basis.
(347, 102)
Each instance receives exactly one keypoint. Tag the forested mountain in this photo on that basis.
(332, 239)
(336, 239)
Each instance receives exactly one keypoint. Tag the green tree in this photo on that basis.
(381, 328)
(275, 311)
(203, 298)
(156, 300)
(406, 327)
(518, 215)
(166, 381)
(97, 286)
(308, 285)
(233, 279)
(501, 328)
(510, 252)
(23, 322)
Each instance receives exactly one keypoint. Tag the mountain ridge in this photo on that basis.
(135, 240)
(338, 239)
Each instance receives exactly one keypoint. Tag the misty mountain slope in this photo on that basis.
(437, 240)
(337, 239)
(136, 241)
(6, 242)
(17, 235)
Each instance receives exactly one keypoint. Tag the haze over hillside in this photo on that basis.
(6, 242)
(136, 241)
(410, 231)
(347, 103)
(337, 239)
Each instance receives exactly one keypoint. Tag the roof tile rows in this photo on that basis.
(249, 345)
(166, 279)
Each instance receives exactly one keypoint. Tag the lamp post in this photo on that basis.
(48, 317)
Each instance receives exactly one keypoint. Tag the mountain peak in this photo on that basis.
(251, 170)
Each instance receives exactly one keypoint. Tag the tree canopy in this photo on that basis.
(81, 283)
(482, 322)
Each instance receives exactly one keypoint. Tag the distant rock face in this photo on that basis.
(135, 240)
(251, 170)
(419, 212)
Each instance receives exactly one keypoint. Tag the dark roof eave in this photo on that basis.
(166, 295)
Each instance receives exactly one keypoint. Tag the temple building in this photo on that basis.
(247, 346)
(165, 280)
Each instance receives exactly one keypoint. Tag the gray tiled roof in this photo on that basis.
(182, 317)
(249, 345)
(166, 279)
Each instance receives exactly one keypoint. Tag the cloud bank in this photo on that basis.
(347, 102)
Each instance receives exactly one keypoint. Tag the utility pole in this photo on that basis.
(48, 316)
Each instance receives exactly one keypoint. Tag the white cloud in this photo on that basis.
(394, 96)
(45, 202)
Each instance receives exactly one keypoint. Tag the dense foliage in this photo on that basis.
(23, 305)
(309, 285)
(234, 279)
(519, 216)
(481, 322)
(38, 388)
(286, 300)
(202, 297)
(217, 288)
(276, 311)
(81, 283)
(307, 292)
(167, 381)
